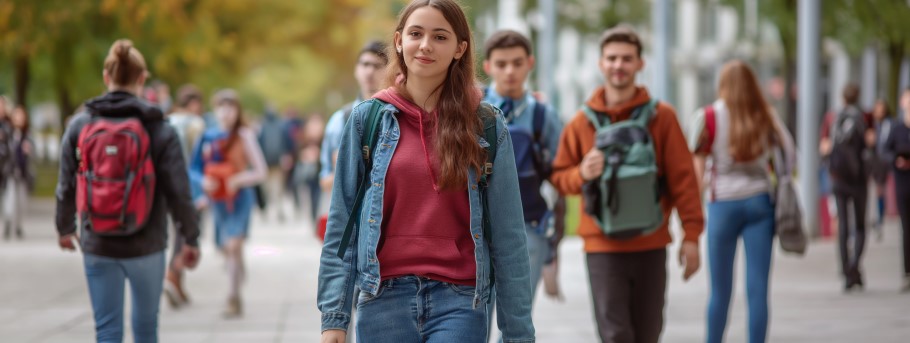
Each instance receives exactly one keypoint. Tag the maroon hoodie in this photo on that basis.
(425, 232)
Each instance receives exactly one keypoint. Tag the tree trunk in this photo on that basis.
(65, 103)
(21, 78)
(896, 55)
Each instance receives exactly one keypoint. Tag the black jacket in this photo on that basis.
(172, 189)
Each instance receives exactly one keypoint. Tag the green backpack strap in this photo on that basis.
(371, 133)
(489, 134)
(594, 118)
(644, 113)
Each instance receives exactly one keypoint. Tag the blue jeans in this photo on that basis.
(753, 219)
(416, 309)
(106, 277)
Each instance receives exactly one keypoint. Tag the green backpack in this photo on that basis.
(625, 199)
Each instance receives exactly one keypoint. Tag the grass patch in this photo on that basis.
(45, 179)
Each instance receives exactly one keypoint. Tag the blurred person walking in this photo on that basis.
(21, 179)
(440, 224)
(897, 150)
(848, 147)
(535, 128)
(371, 65)
(278, 148)
(189, 126)
(226, 164)
(7, 150)
(739, 134)
(881, 171)
(123, 240)
(625, 224)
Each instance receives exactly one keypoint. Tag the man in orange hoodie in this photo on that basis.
(629, 277)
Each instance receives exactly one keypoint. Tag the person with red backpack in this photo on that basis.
(121, 173)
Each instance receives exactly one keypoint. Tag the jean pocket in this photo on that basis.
(365, 298)
(461, 289)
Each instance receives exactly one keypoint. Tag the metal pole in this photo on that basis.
(660, 20)
(807, 107)
(546, 50)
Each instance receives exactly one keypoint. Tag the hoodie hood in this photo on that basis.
(418, 117)
(120, 104)
(598, 103)
(408, 109)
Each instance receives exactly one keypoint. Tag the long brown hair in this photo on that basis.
(234, 131)
(124, 63)
(457, 124)
(751, 125)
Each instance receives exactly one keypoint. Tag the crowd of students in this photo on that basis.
(444, 198)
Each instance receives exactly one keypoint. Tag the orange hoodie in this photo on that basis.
(674, 166)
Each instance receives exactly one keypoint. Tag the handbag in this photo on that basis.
(229, 163)
(788, 217)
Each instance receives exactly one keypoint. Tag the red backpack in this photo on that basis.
(115, 182)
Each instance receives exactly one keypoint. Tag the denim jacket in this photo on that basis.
(360, 266)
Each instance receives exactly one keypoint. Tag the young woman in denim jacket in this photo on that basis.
(422, 214)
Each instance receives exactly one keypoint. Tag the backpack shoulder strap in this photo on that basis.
(595, 118)
(540, 112)
(710, 125)
(644, 113)
(369, 138)
(488, 115)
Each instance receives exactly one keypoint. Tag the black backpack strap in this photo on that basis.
(540, 114)
(539, 158)
(370, 137)
(489, 134)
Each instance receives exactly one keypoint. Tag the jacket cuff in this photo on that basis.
(335, 321)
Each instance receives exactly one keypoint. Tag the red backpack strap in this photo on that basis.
(711, 128)
(710, 125)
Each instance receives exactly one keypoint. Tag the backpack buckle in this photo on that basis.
(488, 168)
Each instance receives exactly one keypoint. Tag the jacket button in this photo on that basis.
(474, 187)
(372, 220)
(477, 235)
(377, 184)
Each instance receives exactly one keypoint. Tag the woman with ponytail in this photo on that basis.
(130, 248)
(422, 215)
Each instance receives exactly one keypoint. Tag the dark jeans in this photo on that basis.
(850, 259)
(902, 188)
(629, 291)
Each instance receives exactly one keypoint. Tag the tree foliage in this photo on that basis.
(286, 52)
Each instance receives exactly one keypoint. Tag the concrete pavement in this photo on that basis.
(43, 296)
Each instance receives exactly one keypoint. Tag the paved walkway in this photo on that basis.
(43, 296)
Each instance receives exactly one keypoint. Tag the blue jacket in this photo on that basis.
(360, 266)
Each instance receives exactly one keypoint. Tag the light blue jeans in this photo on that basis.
(413, 309)
(106, 277)
(753, 220)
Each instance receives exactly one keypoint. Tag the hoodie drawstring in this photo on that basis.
(426, 153)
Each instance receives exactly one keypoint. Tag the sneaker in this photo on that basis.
(19, 233)
(233, 309)
(906, 287)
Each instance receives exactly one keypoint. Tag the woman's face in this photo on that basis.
(226, 114)
(19, 117)
(428, 43)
